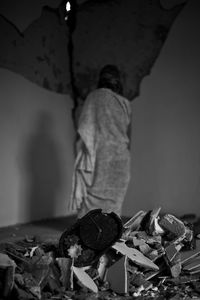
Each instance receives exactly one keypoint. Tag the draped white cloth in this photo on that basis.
(102, 166)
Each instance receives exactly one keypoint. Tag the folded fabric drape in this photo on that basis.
(102, 166)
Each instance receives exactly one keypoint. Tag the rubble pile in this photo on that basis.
(161, 239)
(143, 258)
(29, 270)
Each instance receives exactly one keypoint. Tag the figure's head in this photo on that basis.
(110, 78)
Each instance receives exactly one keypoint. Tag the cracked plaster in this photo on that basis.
(128, 33)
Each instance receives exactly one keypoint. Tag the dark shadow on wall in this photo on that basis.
(44, 170)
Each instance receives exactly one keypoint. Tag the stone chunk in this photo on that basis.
(173, 225)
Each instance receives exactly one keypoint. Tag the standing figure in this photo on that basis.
(102, 165)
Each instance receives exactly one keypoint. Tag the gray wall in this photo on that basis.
(166, 125)
(36, 153)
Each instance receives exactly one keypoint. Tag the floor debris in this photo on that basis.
(140, 259)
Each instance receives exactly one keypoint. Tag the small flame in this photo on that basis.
(68, 6)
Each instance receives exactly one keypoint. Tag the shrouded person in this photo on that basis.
(102, 165)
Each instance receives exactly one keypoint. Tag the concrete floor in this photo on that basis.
(44, 229)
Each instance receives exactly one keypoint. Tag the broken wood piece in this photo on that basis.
(135, 255)
(135, 221)
(172, 250)
(137, 242)
(151, 240)
(190, 258)
(150, 274)
(193, 272)
(141, 245)
(192, 266)
(52, 282)
(7, 266)
(150, 222)
(117, 276)
(85, 279)
(65, 265)
(173, 259)
(41, 269)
